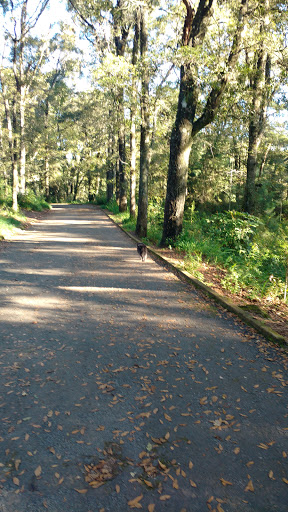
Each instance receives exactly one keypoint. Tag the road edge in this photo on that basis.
(220, 299)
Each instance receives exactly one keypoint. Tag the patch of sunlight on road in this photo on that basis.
(38, 238)
(102, 289)
(41, 272)
(25, 315)
(25, 309)
(70, 221)
(40, 302)
(94, 248)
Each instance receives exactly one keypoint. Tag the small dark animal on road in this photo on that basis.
(142, 251)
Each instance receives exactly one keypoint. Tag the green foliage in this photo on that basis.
(253, 252)
(101, 199)
(29, 201)
(112, 206)
(233, 230)
(9, 222)
(5, 195)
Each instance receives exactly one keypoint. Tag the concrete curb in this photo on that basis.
(223, 301)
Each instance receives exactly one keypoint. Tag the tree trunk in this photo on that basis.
(132, 166)
(186, 127)
(132, 121)
(120, 38)
(22, 172)
(258, 111)
(15, 180)
(117, 181)
(110, 169)
(142, 218)
(122, 160)
(12, 138)
(181, 136)
(47, 167)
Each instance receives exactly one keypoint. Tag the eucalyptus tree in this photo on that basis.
(112, 20)
(142, 217)
(26, 56)
(65, 60)
(133, 113)
(265, 53)
(191, 95)
(9, 101)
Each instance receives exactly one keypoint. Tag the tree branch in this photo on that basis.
(217, 91)
(83, 19)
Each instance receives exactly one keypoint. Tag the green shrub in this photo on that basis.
(29, 201)
(252, 251)
(112, 206)
(101, 199)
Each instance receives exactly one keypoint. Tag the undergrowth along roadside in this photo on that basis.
(11, 221)
(251, 253)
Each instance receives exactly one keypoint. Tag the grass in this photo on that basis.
(10, 222)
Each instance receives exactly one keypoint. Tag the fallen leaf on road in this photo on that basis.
(38, 471)
(263, 446)
(81, 491)
(135, 503)
(249, 486)
(151, 507)
(175, 484)
(148, 483)
(165, 497)
(225, 482)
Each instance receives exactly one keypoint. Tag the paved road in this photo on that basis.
(123, 388)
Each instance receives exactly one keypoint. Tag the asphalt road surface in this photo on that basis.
(124, 388)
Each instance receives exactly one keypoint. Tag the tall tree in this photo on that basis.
(186, 126)
(121, 32)
(133, 111)
(259, 64)
(142, 218)
(26, 56)
(9, 100)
